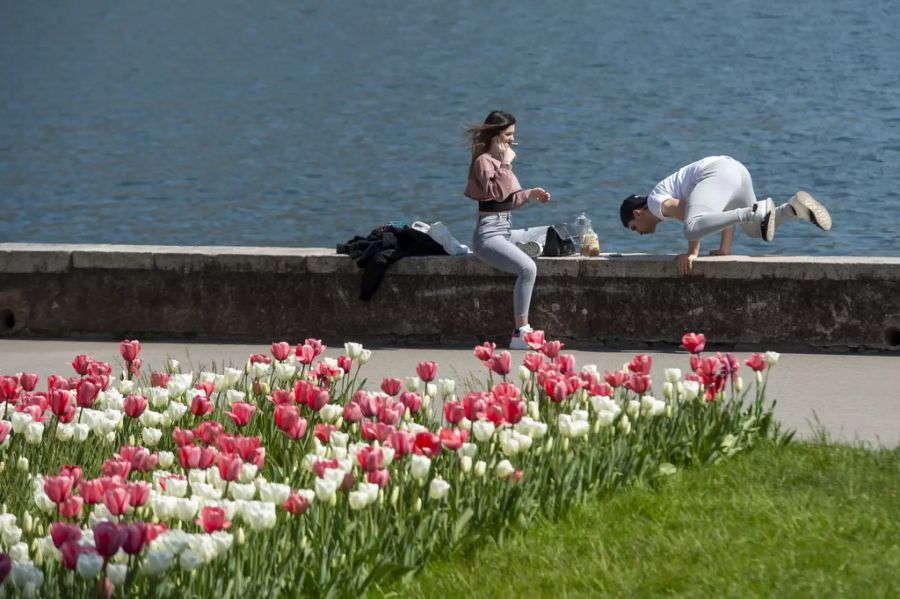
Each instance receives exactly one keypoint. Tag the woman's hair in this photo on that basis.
(481, 135)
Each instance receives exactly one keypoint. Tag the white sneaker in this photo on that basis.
(764, 214)
(532, 249)
(518, 338)
(807, 208)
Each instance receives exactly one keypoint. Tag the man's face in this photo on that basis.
(643, 222)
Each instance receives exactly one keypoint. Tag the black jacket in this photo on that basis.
(383, 246)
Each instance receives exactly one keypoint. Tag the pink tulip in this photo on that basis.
(426, 371)
(501, 363)
(454, 412)
(62, 533)
(241, 413)
(379, 477)
(5, 427)
(86, 393)
(601, 389)
(318, 400)
(58, 488)
(317, 346)
(230, 467)
(452, 438)
(323, 432)
(281, 397)
(370, 458)
(551, 349)
(475, 405)
(427, 444)
(614, 379)
(159, 379)
(71, 507)
(75, 472)
(116, 500)
(565, 362)
(129, 349)
(485, 351)
(91, 491)
(693, 342)
(345, 363)
(212, 519)
(641, 364)
(402, 442)
(120, 467)
(281, 350)
(503, 391)
(535, 340)
(138, 493)
(135, 405)
(639, 383)
(201, 406)
(305, 354)
(412, 401)
(533, 361)
(81, 363)
(192, 456)
(108, 539)
(209, 431)
(352, 413)
(559, 391)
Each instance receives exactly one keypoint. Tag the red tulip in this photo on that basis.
(134, 537)
(5, 427)
(756, 362)
(241, 413)
(305, 354)
(99, 369)
(120, 467)
(62, 533)
(129, 349)
(81, 363)
(183, 437)
(210, 431)
(91, 491)
(303, 391)
(134, 367)
(454, 412)
(693, 342)
(70, 551)
(485, 351)
(296, 504)
(9, 386)
(317, 346)
(5, 567)
(192, 456)
(71, 507)
(551, 349)
(370, 404)
(475, 404)
(281, 350)
(391, 386)
(601, 389)
(260, 359)
(212, 519)
(286, 417)
(502, 391)
(641, 364)
(29, 381)
(345, 363)
(426, 371)
(533, 361)
(86, 393)
(730, 363)
(559, 391)
(318, 400)
(230, 466)
(207, 387)
(614, 379)
(513, 410)
(534, 339)
(159, 379)
(320, 466)
(201, 406)
(116, 500)
(323, 432)
(639, 383)
(370, 458)
(427, 444)
(501, 363)
(108, 538)
(565, 363)
(379, 477)
(58, 488)
(135, 405)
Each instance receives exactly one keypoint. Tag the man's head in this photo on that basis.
(636, 216)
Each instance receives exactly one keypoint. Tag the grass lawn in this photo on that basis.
(806, 520)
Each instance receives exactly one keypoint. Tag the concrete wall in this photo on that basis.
(263, 294)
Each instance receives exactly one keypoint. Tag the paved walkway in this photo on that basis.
(854, 397)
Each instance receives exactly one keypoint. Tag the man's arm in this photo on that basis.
(686, 261)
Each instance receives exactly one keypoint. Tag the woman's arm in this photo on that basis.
(489, 182)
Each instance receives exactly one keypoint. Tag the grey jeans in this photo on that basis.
(494, 242)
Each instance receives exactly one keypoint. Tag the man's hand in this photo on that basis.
(720, 252)
(539, 194)
(685, 263)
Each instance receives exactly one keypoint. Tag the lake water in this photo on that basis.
(304, 123)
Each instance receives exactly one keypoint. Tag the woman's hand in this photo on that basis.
(502, 151)
(720, 252)
(539, 194)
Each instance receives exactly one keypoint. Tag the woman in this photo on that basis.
(496, 189)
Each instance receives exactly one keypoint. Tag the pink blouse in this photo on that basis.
(492, 181)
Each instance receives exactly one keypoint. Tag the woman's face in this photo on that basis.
(507, 136)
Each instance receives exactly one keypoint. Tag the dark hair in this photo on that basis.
(629, 205)
(481, 135)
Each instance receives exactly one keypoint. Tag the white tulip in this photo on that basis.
(233, 395)
(166, 459)
(352, 349)
(504, 469)
(275, 493)
(411, 383)
(339, 439)
(772, 357)
(480, 468)
(248, 472)
(157, 562)
(465, 464)
(467, 449)
(483, 430)
(151, 436)
(633, 408)
(419, 466)
(172, 365)
(186, 508)
(358, 500)
(64, 431)
(364, 356)
(245, 491)
(18, 552)
(447, 387)
(524, 374)
(260, 515)
(331, 413)
(673, 375)
(149, 418)
(438, 489)
(34, 433)
(176, 487)
(625, 424)
(285, 372)
(158, 397)
(431, 390)
(325, 489)
(191, 559)
(20, 421)
(691, 390)
(232, 376)
(89, 565)
(117, 573)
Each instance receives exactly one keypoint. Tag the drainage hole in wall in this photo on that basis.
(892, 337)
(7, 320)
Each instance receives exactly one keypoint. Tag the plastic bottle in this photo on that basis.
(590, 243)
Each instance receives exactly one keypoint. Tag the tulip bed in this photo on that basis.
(288, 477)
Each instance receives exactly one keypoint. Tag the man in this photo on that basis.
(712, 195)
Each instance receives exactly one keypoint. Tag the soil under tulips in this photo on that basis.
(285, 477)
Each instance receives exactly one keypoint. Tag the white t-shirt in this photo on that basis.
(678, 185)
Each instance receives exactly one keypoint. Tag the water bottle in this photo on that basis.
(582, 223)
(590, 243)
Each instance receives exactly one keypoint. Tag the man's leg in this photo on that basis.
(723, 197)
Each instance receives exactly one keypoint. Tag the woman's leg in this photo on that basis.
(492, 246)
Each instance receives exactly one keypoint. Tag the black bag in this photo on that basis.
(560, 241)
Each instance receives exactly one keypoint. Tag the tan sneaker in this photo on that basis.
(807, 208)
